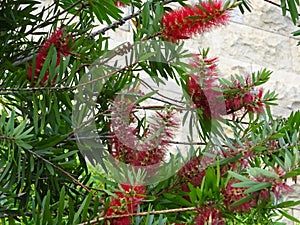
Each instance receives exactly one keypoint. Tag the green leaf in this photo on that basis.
(238, 176)
(293, 10)
(50, 169)
(46, 63)
(283, 7)
(145, 97)
(51, 141)
(242, 201)
(257, 187)
(61, 206)
(244, 184)
(288, 204)
(289, 216)
(82, 211)
(47, 217)
(258, 172)
(65, 155)
(146, 56)
(259, 148)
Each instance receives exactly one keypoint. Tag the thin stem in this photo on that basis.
(278, 5)
(177, 210)
(121, 21)
(115, 24)
(111, 136)
(60, 169)
(53, 17)
(7, 138)
(171, 99)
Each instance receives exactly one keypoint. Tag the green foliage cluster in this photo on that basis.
(44, 178)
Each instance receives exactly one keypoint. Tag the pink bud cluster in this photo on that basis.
(62, 46)
(126, 202)
(232, 194)
(245, 96)
(214, 99)
(278, 186)
(190, 20)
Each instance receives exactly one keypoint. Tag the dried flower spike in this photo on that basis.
(233, 194)
(129, 147)
(190, 20)
(209, 215)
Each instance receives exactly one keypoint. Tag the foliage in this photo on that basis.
(60, 72)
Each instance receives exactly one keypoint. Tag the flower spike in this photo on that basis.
(190, 20)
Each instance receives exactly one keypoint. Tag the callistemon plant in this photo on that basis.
(76, 147)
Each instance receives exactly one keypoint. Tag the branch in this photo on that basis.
(115, 24)
(7, 138)
(140, 214)
(53, 17)
(121, 21)
(61, 170)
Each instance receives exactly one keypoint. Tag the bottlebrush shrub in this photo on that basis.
(126, 202)
(128, 143)
(62, 45)
(235, 177)
(189, 20)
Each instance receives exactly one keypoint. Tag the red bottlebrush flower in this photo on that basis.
(233, 194)
(61, 42)
(190, 20)
(208, 215)
(130, 148)
(40, 59)
(62, 46)
(119, 4)
(129, 197)
(201, 88)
